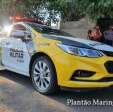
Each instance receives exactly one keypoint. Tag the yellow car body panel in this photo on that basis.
(66, 64)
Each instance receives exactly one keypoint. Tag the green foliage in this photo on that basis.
(69, 9)
(97, 8)
(72, 9)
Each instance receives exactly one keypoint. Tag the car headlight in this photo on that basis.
(81, 51)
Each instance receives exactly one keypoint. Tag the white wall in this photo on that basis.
(77, 28)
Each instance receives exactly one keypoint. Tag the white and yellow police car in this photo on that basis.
(54, 59)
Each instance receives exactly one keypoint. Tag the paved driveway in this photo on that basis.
(18, 95)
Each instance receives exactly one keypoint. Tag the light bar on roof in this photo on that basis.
(24, 19)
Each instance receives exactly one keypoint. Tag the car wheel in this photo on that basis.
(43, 75)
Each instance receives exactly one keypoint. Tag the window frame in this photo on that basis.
(13, 26)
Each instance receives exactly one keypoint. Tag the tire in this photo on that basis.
(43, 75)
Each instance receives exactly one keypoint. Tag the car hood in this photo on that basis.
(79, 42)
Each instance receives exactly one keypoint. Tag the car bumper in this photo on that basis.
(81, 84)
(67, 64)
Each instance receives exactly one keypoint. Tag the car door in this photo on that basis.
(15, 54)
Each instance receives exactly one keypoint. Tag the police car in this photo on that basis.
(53, 59)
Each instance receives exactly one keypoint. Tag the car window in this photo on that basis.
(17, 31)
(19, 27)
(47, 30)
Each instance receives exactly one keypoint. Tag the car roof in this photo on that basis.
(28, 24)
(39, 24)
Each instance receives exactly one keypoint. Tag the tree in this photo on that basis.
(97, 8)
(69, 9)
(75, 9)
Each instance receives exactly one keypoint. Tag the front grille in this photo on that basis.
(108, 53)
(82, 73)
(109, 66)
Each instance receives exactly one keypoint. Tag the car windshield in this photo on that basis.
(47, 30)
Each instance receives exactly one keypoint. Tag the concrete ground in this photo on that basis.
(18, 95)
